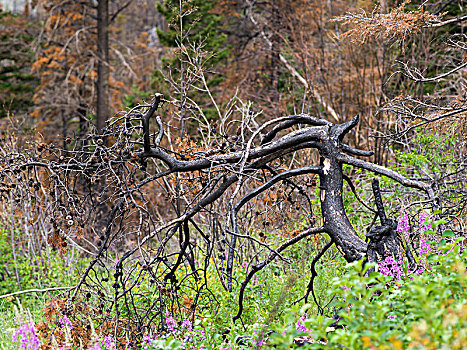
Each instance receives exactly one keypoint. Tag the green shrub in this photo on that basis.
(419, 311)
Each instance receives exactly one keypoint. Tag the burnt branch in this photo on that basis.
(314, 274)
(271, 257)
(178, 210)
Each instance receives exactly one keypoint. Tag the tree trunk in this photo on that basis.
(336, 222)
(103, 64)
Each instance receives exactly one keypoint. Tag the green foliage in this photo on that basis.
(9, 311)
(20, 271)
(193, 22)
(17, 84)
(425, 311)
(23, 270)
(432, 151)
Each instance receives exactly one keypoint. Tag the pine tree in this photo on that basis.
(195, 42)
(194, 21)
(17, 84)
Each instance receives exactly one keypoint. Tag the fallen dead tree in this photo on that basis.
(145, 207)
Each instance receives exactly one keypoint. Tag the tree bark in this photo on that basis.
(336, 222)
(102, 112)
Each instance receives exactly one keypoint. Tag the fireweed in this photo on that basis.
(187, 335)
(403, 224)
(300, 325)
(26, 336)
(397, 267)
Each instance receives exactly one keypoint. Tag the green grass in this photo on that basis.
(28, 305)
(265, 301)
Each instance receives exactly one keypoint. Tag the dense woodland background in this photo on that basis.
(110, 110)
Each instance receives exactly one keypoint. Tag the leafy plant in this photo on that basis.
(414, 310)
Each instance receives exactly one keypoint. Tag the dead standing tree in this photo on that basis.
(134, 159)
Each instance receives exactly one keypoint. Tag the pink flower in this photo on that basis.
(147, 339)
(392, 317)
(300, 326)
(403, 225)
(171, 323)
(109, 343)
(199, 334)
(65, 321)
(186, 326)
(148, 342)
(26, 334)
(391, 267)
(424, 247)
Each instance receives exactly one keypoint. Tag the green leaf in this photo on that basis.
(448, 233)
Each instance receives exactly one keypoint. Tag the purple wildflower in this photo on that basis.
(403, 225)
(109, 343)
(26, 334)
(391, 267)
(391, 317)
(199, 334)
(424, 247)
(300, 326)
(259, 343)
(65, 321)
(346, 288)
(186, 326)
(147, 340)
(171, 323)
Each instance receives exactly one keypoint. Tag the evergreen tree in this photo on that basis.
(17, 84)
(194, 42)
(194, 21)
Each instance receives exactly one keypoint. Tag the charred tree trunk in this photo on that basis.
(336, 222)
(384, 240)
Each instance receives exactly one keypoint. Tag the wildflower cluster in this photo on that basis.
(424, 226)
(424, 247)
(107, 343)
(188, 335)
(395, 267)
(300, 325)
(26, 336)
(391, 267)
(403, 224)
(65, 322)
(258, 343)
